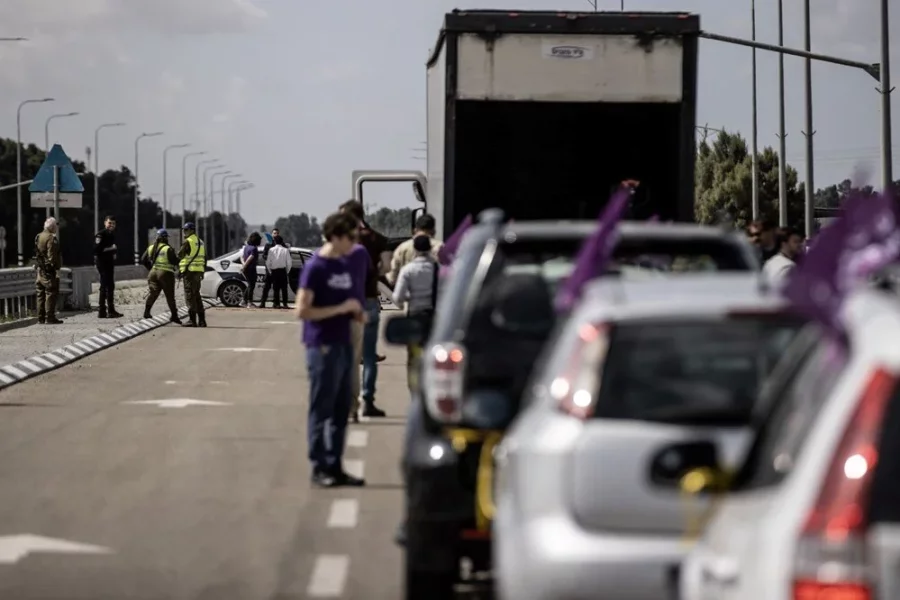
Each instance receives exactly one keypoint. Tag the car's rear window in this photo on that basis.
(698, 371)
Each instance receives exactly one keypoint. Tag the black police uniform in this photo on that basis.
(105, 259)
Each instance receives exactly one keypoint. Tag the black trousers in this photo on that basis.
(251, 287)
(279, 280)
(107, 288)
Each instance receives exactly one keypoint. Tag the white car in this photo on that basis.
(223, 279)
(814, 512)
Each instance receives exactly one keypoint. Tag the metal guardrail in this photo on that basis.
(17, 289)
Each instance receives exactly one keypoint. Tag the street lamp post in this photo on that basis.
(184, 194)
(47, 139)
(137, 191)
(166, 178)
(97, 171)
(197, 188)
(237, 198)
(887, 154)
(782, 143)
(20, 241)
(216, 164)
(212, 206)
(231, 187)
(226, 230)
(754, 203)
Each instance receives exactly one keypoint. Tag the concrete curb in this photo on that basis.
(43, 363)
(17, 324)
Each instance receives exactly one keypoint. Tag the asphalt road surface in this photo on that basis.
(104, 496)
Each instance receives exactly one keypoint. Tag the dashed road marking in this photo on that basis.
(357, 468)
(329, 576)
(358, 438)
(344, 514)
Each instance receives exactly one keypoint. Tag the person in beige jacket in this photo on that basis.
(406, 252)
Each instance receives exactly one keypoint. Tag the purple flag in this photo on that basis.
(595, 252)
(448, 251)
(862, 241)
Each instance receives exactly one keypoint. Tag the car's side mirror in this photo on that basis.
(404, 331)
(691, 467)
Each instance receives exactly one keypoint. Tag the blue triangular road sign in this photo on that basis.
(69, 182)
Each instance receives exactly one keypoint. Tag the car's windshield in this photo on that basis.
(684, 370)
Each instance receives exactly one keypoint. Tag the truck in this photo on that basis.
(543, 113)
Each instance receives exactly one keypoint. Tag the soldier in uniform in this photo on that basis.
(47, 263)
(161, 260)
(191, 266)
(105, 259)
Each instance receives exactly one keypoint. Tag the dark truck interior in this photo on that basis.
(562, 160)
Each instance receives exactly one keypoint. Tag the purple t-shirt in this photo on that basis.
(251, 258)
(358, 263)
(331, 282)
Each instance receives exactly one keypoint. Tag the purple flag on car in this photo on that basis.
(862, 241)
(595, 252)
(448, 251)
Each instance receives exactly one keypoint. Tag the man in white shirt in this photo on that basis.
(405, 252)
(278, 263)
(789, 243)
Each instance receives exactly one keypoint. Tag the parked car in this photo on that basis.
(223, 279)
(814, 511)
(495, 313)
(646, 381)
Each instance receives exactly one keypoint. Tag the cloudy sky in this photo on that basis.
(295, 94)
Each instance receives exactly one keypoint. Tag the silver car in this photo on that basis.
(646, 382)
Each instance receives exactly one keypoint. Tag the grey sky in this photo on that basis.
(295, 94)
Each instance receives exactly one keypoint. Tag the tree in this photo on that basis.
(724, 183)
(300, 230)
(391, 222)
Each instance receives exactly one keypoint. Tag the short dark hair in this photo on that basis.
(254, 238)
(355, 209)
(337, 225)
(422, 243)
(784, 234)
(425, 222)
(109, 218)
(278, 240)
(766, 225)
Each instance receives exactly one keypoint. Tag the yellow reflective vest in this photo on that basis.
(161, 263)
(196, 259)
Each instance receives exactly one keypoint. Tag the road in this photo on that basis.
(200, 502)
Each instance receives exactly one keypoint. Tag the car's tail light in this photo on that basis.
(831, 560)
(443, 373)
(577, 388)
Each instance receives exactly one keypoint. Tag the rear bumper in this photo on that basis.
(553, 558)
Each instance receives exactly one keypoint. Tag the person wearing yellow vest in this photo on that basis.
(191, 266)
(161, 259)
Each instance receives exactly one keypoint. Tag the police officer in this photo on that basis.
(47, 262)
(105, 259)
(191, 265)
(160, 259)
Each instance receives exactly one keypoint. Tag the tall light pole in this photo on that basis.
(97, 171)
(249, 186)
(231, 188)
(184, 194)
(782, 146)
(216, 164)
(13, 39)
(754, 202)
(20, 257)
(809, 200)
(887, 155)
(212, 206)
(226, 229)
(137, 191)
(47, 138)
(166, 178)
(197, 187)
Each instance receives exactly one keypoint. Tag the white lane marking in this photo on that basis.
(89, 344)
(357, 468)
(329, 576)
(179, 403)
(4, 378)
(344, 514)
(14, 548)
(358, 438)
(245, 349)
(173, 382)
(15, 371)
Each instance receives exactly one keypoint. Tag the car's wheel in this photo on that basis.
(231, 294)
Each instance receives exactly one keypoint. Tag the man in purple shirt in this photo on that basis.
(327, 303)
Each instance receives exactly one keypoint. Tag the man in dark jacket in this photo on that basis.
(267, 286)
(105, 260)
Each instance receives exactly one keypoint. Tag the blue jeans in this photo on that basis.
(370, 349)
(328, 368)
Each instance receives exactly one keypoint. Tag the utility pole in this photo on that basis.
(887, 154)
(782, 134)
(754, 143)
(809, 201)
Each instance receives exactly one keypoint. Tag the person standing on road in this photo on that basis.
(406, 253)
(249, 264)
(790, 244)
(191, 266)
(278, 264)
(160, 259)
(375, 244)
(269, 282)
(417, 291)
(47, 263)
(105, 260)
(326, 305)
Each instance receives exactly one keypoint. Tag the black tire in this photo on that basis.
(231, 293)
(430, 585)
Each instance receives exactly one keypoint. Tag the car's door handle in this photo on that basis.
(724, 571)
